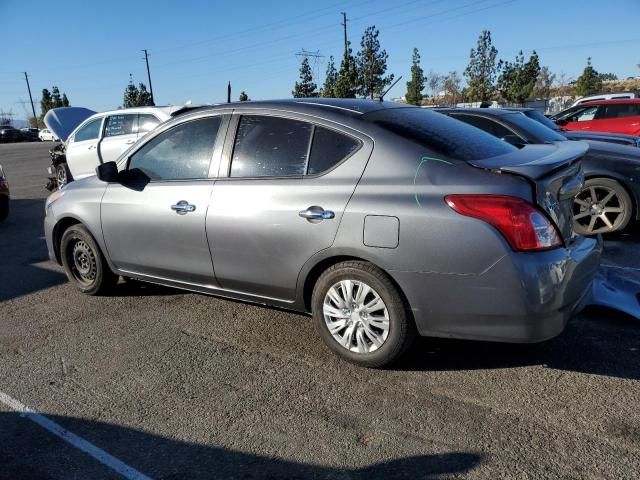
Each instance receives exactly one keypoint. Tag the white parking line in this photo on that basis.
(71, 438)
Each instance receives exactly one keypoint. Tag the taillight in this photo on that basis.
(524, 226)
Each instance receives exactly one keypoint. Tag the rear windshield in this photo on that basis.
(536, 132)
(538, 117)
(447, 136)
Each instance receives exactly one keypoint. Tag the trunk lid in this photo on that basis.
(64, 120)
(555, 172)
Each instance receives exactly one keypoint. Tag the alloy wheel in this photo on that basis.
(356, 316)
(598, 209)
(61, 176)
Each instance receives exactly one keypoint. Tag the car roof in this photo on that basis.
(489, 112)
(353, 107)
(611, 102)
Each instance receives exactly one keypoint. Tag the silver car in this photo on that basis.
(381, 220)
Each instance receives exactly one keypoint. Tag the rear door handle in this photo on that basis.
(183, 207)
(316, 214)
(91, 147)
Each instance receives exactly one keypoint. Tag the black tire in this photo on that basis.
(4, 207)
(401, 330)
(612, 201)
(63, 175)
(83, 262)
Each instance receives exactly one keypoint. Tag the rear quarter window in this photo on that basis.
(447, 136)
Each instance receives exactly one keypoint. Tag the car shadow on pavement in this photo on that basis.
(600, 341)
(22, 249)
(29, 451)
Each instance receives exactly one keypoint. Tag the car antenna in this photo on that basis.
(381, 98)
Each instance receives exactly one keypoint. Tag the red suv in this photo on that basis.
(615, 116)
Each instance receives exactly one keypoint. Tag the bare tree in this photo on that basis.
(435, 83)
(451, 85)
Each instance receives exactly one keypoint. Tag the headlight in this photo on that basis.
(52, 198)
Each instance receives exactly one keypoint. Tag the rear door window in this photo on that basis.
(146, 123)
(328, 149)
(443, 134)
(619, 110)
(122, 124)
(268, 146)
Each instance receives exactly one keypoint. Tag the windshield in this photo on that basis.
(540, 118)
(441, 133)
(536, 131)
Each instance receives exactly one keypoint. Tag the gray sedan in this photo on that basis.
(383, 221)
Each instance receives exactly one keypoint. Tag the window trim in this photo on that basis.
(217, 147)
(229, 146)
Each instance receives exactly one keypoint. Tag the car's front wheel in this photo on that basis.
(361, 315)
(63, 175)
(602, 206)
(83, 262)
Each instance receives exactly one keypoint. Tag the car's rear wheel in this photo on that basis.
(360, 314)
(83, 262)
(63, 175)
(602, 206)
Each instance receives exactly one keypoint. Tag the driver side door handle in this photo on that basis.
(183, 207)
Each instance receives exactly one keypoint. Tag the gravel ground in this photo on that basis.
(179, 385)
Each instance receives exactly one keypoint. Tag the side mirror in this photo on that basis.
(561, 122)
(514, 140)
(107, 172)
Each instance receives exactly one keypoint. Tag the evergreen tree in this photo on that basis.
(56, 99)
(518, 79)
(416, 84)
(328, 90)
(607, 77)
(65, 100)
(136, 96)
(589, 82)
(482, 69)
(144, 96)
(371, 64)
(305, 88)
(45, 102)
(347, 76)
(243, 97)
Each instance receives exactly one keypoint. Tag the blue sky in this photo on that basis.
(89, 49)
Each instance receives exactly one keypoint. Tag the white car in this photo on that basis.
(46, 135)
(604, 96)
(92, 138)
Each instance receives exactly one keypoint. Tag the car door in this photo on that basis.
(582, 119)
(279, 199)
(153, 220)
(81, 150)
(120, 132)
(618, 118)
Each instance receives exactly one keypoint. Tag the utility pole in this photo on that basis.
(146, 59)
(229, 92)
(346, 43)
(33, 109)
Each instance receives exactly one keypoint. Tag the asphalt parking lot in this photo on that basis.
(177, 385)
